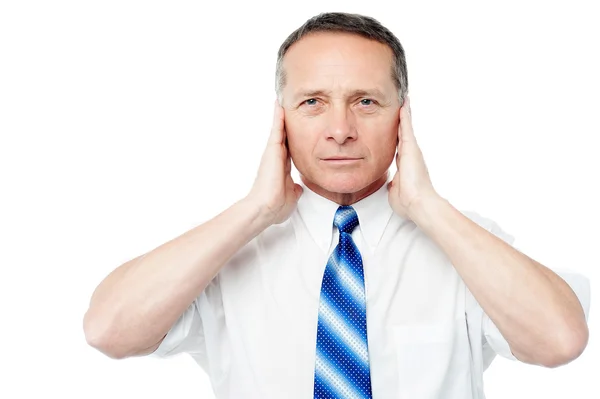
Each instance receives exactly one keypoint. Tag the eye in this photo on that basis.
(310, 101)
(366, 101)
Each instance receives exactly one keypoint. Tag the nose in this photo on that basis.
(341, 125)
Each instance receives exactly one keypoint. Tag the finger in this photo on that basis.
(288, 164)
(406, 132)
(277, 135)
(298, 190)
(392, 182)
(398, 146)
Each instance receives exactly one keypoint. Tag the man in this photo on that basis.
(350, 284)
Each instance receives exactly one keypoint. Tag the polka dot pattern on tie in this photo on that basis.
(342, 360)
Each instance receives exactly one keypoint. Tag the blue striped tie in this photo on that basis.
(342, 356)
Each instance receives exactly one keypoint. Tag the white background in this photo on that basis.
(126, 123)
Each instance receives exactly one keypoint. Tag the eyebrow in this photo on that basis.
(325, 93)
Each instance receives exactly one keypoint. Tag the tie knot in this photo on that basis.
(345, 219)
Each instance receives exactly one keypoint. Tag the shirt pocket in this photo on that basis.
(433, 360)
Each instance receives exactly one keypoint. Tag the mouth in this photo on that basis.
(341, 160)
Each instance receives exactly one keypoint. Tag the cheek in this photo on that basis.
(386, 150)
(384, 140)
(299, 139)
(302, 131)
(386, 153)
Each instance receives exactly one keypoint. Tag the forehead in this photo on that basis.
(338, 61)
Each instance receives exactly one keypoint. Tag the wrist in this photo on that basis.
(424, 208)
(259, 215)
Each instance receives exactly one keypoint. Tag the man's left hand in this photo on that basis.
(411, 184)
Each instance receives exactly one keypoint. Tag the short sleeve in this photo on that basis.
(493, 341)
(580, 286)
(185, 336)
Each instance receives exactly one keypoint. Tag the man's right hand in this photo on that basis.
(274, 191)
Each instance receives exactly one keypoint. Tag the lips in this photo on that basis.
(341, 161)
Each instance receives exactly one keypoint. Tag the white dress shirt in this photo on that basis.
(253, 329)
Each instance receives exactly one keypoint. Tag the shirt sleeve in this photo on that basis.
(580, 286)
(185, 336)
(493, 341)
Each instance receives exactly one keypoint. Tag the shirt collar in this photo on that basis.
(317, 212)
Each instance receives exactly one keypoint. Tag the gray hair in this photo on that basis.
(361, 25)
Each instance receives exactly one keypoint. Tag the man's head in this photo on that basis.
(342, 79)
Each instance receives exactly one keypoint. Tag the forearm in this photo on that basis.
(534, 309)
(135, 306)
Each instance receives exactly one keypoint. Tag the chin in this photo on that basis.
(343, 183)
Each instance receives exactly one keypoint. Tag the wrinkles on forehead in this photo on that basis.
(335, 66)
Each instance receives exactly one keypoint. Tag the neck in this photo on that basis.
(346, 198)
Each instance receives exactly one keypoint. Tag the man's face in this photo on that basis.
(340, 102)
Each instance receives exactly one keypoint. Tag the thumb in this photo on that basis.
(298, 190)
